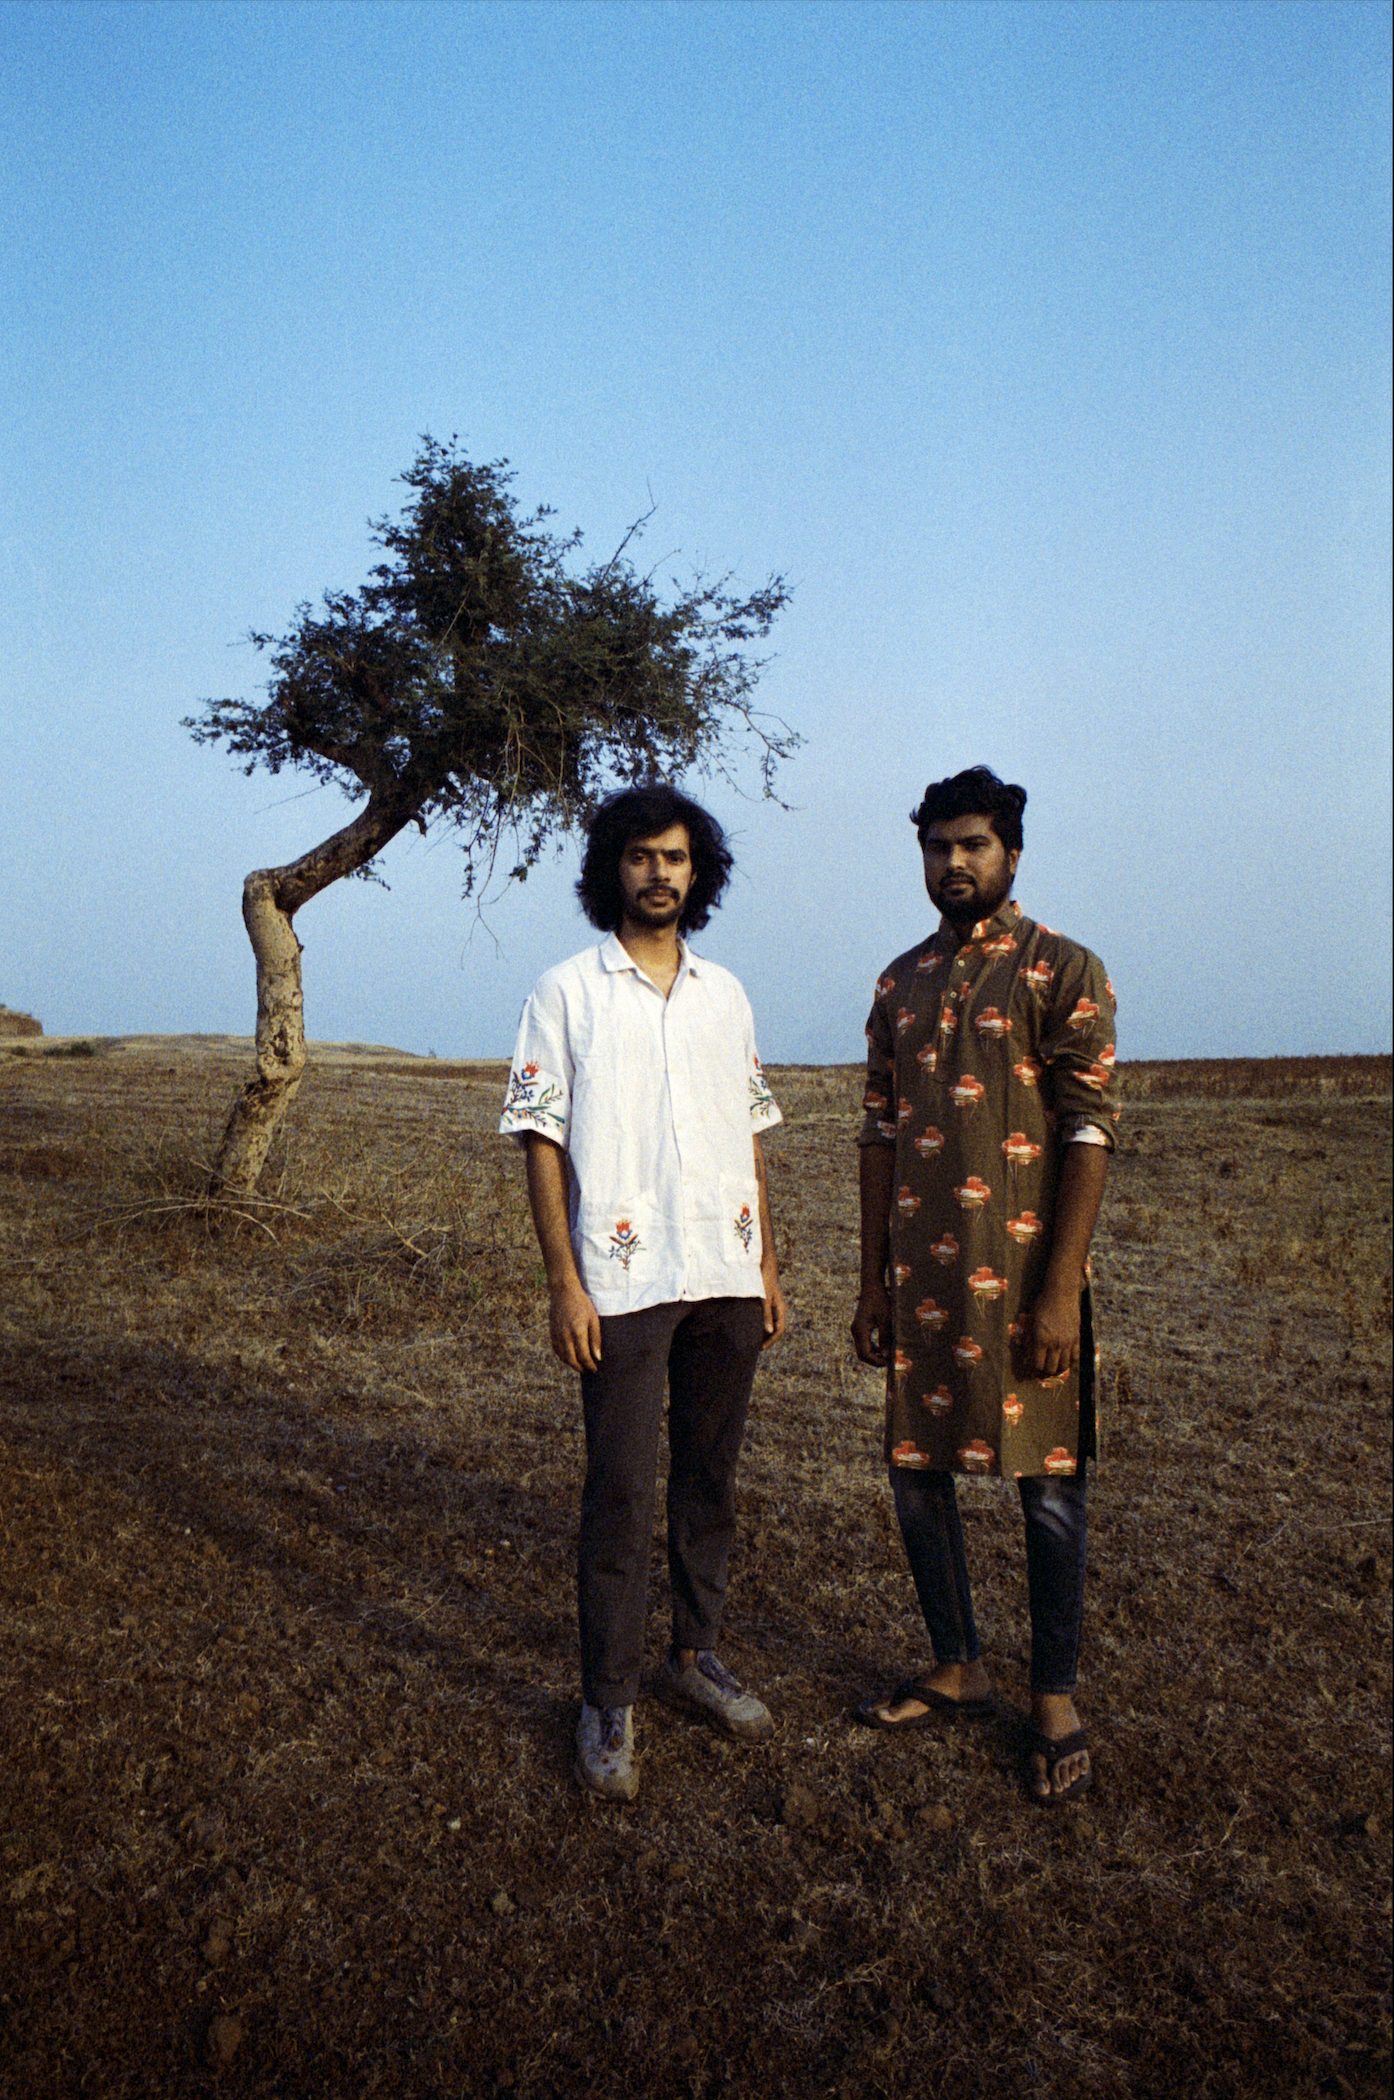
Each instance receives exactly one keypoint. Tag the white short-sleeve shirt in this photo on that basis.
(654, 1102)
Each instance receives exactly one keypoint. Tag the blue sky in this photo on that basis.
(1044, 348)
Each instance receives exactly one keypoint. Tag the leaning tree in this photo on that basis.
(480, 677)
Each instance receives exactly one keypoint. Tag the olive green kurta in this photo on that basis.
(985, 1054)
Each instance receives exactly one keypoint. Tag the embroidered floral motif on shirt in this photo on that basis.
(624, 1243)
(744, 1222)
(760, 1096)
(525, 1095)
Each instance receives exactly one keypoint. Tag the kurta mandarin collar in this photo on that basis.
(1005, 920)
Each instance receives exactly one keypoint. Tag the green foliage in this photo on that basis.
(478, 676)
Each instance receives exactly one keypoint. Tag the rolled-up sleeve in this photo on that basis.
(1078, 1049)
(539, 1081)
(878, 1102)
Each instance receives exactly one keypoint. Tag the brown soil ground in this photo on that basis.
(287, 1680)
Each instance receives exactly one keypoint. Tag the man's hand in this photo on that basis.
(1054, 1332)
(872, 1327)
(572, 1320)
(776, 1313)
(574, 1325)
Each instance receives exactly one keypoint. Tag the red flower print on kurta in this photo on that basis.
(908, 1455)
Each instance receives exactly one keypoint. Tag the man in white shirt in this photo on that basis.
(638, 1093)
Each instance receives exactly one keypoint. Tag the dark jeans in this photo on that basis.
(927, 1508)
(707, 1353)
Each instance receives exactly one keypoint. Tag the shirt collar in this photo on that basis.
(1004, 921)
(615, 956)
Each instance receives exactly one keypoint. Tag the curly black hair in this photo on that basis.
(642, 813)
(975, 793)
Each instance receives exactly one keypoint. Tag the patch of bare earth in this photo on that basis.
(287, 1679)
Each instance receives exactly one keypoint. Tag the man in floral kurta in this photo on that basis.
(989, 1121)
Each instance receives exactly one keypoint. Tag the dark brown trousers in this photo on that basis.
(706, 1352)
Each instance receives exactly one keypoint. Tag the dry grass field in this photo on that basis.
(287, 1676)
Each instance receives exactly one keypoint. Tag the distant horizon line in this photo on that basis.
(19, 1044)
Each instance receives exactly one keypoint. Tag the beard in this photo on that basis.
(656, 910)
(966, 905)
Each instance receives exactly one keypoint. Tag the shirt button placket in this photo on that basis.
(678, 1106)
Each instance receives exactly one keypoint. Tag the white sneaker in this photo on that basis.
(713, 1691)
(605, 1752)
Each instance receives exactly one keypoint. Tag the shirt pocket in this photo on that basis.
(617, 1244)
(740, 1221)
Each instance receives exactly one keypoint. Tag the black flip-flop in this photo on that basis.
(938, 1707)
(1054, 1749)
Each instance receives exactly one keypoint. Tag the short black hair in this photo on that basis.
(975, 793)
(642, 813)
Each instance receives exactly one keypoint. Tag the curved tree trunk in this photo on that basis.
(270, 899)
